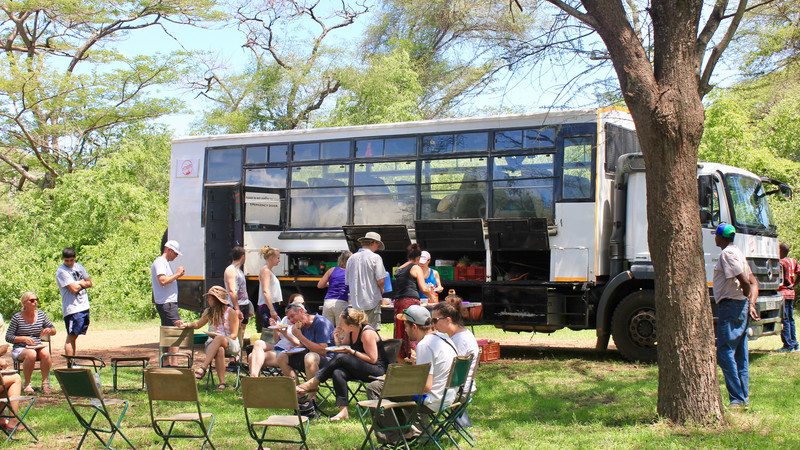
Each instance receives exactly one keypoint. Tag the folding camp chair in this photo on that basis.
(6, 412)
(402, 382)
(128, 361)
(45, 340)
(85, 397)
(445, 415)
(273, 393)
(238, 365)
(392, 348)
(457, 412)
(176, 385)
(183, 338)
(96, 362)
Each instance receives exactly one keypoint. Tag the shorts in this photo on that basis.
(332, 309)
(168, 313)
(15, 353)
(77, 323)
(277, 349)
(246, 311)
(374, 317)
(297, 361)
(233, 346)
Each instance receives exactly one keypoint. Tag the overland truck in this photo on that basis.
(536, 220)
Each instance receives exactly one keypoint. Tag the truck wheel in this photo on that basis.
(634, 326)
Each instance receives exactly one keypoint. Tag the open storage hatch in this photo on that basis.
(518, 234)
(394, 237)
(450, 235)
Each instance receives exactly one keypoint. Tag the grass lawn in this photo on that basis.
(540, 398)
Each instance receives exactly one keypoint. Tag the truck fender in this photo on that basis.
(605, 306)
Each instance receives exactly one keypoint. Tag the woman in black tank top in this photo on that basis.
(361, 356)
(409, 282)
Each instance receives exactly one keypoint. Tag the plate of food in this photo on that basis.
(8, 371)
(279, 326)
(35, 346)
(295, 350)
(338, 348)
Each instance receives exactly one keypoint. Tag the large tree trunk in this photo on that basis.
(666, 106)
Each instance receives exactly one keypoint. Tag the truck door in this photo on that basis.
(223, 224)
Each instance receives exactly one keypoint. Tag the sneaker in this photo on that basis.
(738, 406)
(784, 349)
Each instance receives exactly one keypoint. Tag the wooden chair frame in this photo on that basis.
(85, 397)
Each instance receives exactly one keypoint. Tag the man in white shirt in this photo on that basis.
(165, 289)
(73, 280)
(365, 276)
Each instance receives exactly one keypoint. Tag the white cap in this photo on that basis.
(424, 257)
(174, 246)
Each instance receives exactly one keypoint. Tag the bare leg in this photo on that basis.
(211, 351)
(311, 360)
(219, 363)
(173, 360)
(28, 358)
(343, 414)
(45, 363)
(12, 384)
(283, 363)
(69, 345)
(257, 357)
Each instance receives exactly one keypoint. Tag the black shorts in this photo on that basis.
(168, 313)
(246, 311)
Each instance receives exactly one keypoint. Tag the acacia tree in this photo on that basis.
(664, 72)
(65, 89)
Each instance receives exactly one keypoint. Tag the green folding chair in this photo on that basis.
(6, 412)
(392, 348)
(182, 338)
(86, 400)
(273, 393)
(442, 420)
(401, 384)
(166, 386)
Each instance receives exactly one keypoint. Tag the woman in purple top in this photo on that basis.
(338, 292)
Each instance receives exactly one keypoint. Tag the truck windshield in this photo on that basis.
(751, 212)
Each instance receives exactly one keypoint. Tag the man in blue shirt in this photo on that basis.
(315, 333)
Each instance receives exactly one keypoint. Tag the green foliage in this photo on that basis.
(388, 90)
(113, 214)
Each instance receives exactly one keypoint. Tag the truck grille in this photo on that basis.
(767, 272)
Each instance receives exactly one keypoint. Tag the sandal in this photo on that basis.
(199, 373)
(221, 387)
(28, 389)
(46, 387)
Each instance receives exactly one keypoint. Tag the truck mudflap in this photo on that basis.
(769, 308)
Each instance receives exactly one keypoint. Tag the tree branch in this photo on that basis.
(704, 87)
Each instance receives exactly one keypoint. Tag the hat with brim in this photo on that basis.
(174, 246)
(416, 314)
(373, 236)
(219, 293)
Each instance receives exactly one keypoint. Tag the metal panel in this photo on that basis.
(450, 235)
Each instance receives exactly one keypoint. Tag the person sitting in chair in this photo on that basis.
(223, 333)
(25, 331)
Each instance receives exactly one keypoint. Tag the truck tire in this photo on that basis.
(633, 326)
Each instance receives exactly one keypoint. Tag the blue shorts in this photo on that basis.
(77, 323)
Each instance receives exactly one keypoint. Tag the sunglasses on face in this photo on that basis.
(33, 300)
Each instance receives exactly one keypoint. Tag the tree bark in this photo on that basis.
(665, 101)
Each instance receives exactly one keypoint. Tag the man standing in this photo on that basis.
(365, 276)
(236, 285)
(791, 271)
(315, 333)
(72, 282)
(165, 288)
(735, 290)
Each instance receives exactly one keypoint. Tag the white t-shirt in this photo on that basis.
(274, 290)
(169, 292)
(72, 303)
(285, 343)
(730, 264)
(467, 345)
(439, 350)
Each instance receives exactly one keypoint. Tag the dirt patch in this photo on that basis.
(108, 344)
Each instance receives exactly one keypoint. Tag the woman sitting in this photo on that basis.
(266, 354)
(25, 331)
(363, 359)
(11, 385)
(223, 328)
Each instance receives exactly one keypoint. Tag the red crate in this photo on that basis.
(470, 273)
(490, 350)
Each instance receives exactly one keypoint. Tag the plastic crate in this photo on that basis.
(489, 350)
(445, 272)
(330, 265)
(470, 273)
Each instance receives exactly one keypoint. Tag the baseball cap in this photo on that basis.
(175, 246)
(416, 314)
(725, 230)
(219, 293)
(424, 257)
